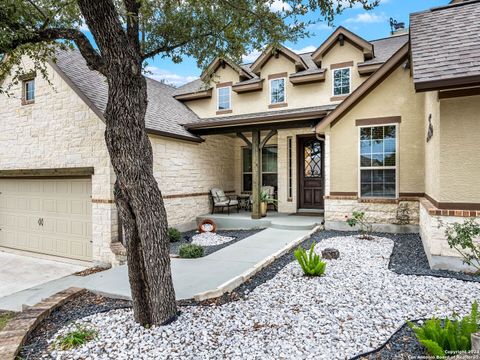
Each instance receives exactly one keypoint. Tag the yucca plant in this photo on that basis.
(311, 263)
(451, 337)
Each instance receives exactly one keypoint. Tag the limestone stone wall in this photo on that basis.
(338, 210)
(432, 232)
(60, 131)
(186, 172)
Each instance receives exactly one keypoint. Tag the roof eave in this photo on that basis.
(444, 84)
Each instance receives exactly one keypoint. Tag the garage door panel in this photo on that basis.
(63, 207)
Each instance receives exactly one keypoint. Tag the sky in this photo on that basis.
(370, 25)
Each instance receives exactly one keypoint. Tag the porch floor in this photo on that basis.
(274, 220)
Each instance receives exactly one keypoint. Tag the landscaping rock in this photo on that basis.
(353, 309)
(330, 254)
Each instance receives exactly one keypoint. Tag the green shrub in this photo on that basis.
(453, 336)
(174, 234)
(75, 338)
(311, 263)
(358, 218)
(463, 238)
(190, 251)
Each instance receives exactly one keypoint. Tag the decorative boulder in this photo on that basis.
(330, 253)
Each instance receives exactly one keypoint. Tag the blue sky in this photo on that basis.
(370, 25)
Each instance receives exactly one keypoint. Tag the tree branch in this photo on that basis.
(132, 14)
(94, 60)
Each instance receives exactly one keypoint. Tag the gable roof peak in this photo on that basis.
(274, 51)
(223, 61)
(342, 34)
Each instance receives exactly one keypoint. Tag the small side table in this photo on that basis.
(244, 201)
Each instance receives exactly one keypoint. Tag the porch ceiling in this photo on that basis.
(280, 119)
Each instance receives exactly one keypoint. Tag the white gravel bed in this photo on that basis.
(210, 239)
(354, 308)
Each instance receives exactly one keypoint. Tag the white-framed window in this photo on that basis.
(378, 170)
(29, 90)
(224, 98)
(341, 84)
(277, 91)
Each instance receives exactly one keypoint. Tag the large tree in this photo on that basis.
(126, 34)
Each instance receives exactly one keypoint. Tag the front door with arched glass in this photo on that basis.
(311, 172)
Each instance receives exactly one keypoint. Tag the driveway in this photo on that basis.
(18, 272)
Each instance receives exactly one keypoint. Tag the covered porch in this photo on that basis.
(276, 149)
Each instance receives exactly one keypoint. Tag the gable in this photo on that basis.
(341, 36)
(272, 52)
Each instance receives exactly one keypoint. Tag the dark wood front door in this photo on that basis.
(311, 172)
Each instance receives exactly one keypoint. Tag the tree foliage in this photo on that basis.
(171, 29)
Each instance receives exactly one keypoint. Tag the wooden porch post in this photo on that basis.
(256, 174)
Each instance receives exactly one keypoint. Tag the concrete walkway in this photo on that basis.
(191, 277)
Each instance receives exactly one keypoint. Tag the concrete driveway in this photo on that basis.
(18, 272)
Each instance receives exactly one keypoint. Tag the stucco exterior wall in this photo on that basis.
(459, 154)
(394, 97)
(60, 131)
(186, 172)
(432, 148)
(297, 96)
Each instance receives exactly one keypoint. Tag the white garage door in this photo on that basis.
(48, 216)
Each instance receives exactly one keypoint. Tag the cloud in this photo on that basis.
(320, 26)
(250, 58)
(306, 49)
(367, 18)
(279, 6)
(168, 76)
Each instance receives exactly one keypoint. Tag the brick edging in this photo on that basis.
(232, 284)
(13, 336)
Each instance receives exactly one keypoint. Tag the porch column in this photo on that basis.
(256, 174)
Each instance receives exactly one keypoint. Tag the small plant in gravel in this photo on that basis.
(310, 262)
(465, 238)
(75, 338)
(358, 219)
(449, 337)
(5, 317)
(174, 234)
(190, 251)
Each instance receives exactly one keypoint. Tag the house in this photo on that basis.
(388, 127)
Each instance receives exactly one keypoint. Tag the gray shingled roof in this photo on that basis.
(273, 115)
(164, 113)
(384, 49)
(445, 42)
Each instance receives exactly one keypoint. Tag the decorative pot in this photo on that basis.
(263, 208)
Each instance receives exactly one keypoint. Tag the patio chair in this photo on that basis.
(220, 200)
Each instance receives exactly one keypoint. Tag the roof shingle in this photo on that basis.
(164, 114)
(445, 43)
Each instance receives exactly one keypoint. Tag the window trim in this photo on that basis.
(349, 81)
(396, 167)
(243, 191)
(229, 97)
(284, 79)
(24, 91)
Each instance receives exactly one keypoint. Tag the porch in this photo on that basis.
(276, 151)
(274, 220)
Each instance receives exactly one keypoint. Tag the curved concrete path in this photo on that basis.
(201, 278)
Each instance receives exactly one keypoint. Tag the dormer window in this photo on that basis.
(341, 81)
(224, 98)
(277, 91)
(28, 91)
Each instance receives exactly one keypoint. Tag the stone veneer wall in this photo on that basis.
(386, 214)
(60, 131)
(186, 172)
(432, 232)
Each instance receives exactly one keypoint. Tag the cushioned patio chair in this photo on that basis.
(220, 200)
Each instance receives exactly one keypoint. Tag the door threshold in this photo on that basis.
(310, 211)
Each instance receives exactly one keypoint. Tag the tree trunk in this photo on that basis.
(139, 201)
(137, 195)
(138, 198)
